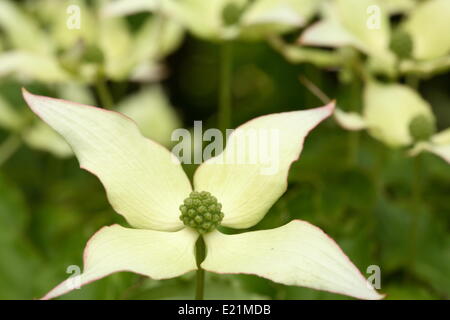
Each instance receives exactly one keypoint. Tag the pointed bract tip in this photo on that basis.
(25, 91)
(26, 95)
(300, 40)
(330, 107)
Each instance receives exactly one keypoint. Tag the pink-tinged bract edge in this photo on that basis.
(85, 254)
(381, 296)
(26, 94)
(329, 108)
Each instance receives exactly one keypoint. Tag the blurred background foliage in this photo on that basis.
(381, 205)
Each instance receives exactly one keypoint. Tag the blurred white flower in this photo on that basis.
(352, 23)
(424, 46)
(428, 25)
(45, 49)
(226, 19)
(396, 115)
(36, 135)
(154, 115)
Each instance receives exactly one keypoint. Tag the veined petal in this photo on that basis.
(251, 173)
(389, 109)
(143, 181)
(349, 120)
(155, 254)
(295, 254)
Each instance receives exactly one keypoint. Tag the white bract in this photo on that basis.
(389, 113)
(146, 184)
(428, 26)
(430, 43)
(363, 24)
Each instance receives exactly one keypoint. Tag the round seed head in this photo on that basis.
(201, 211)
(422, 128)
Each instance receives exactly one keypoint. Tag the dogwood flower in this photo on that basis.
(146, 184)
(364, 24)
(60, 53)
(347, 23)
(225, 19)
(396, 115)
(430, 45)
(430, 40)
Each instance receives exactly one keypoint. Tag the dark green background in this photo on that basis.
(366, 196)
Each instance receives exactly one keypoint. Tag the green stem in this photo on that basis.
(382, 159)
(9, 147)
(103, 92)
(226, 65)
(416, 192)
(200, 256)
(353, 147)
(354, 136)
(315, 90)
(413, 81)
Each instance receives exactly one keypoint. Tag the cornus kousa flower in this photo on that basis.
(146, 184)
(77, 43)
(397, 115)
(430, 46)
(225, 19)
(365, 25)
